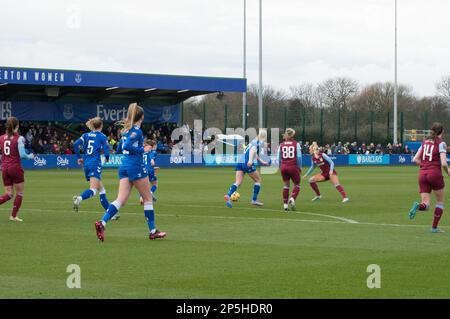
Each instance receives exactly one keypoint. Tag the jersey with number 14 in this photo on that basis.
(430, 154)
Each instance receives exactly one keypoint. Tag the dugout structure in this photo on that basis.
(32, 94)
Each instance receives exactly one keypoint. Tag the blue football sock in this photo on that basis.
(154, 188)
(88, 193)
(232, 189)
(256, 189)
(149, 215)
(111, 211)
(104, 201)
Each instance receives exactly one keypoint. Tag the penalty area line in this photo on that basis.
(342, 219)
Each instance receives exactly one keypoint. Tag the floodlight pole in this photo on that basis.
(244, 94)
(395, 81)
(260, 91)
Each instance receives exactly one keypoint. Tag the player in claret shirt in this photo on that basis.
(328, 172)
(290, 162)
(432, 158)
(13, 149)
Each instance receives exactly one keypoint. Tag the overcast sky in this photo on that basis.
(304, 40)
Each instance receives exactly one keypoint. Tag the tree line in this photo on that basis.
(335, 109)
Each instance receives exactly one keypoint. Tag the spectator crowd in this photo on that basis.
(45, 138)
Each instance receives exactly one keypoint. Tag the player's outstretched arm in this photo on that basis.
(444, 163)
(262, 162)
(105, 148)
(22, 151)
(311, 168)
(418, 156)
(251, 156)
(330, 161)
(299, 156)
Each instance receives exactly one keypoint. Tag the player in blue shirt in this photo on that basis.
(149, 162)
(92, 143)
(247, 165)
(132, 172)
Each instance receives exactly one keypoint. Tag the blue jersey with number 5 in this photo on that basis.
(92, 144)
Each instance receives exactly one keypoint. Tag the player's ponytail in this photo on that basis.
(12, 125)
(94, 124)
(134, 115)
(436, 130)
(289, 134)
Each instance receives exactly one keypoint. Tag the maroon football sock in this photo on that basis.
(423, 206)
(295, 191)
(285, 194)
(340, 189)
(315, 188)
(438, 211)
(17, 204)
(4, 198)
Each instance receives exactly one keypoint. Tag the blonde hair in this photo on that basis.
(314, 148)
(289, 133)
(135, 113)
(262, 135)
(94, 123)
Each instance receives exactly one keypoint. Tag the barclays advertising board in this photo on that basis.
(372, 159)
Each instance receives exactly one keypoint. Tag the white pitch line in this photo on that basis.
(347, 220)
(242, 218)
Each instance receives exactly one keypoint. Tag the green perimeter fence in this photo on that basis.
(323, 125)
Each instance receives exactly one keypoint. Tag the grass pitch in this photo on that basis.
(320, 251)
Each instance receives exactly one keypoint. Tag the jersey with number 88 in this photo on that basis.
(288, 153)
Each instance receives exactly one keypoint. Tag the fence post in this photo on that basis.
(204, 115)
(321, 126)
(265, 116)
(426, 121)
(181, 114)
(356, 127)
(339, 125)
(388, 126)
(285, 118)
(246, 117)
(303, 123)
(371, 127)
(226, 119)
(402, 128)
